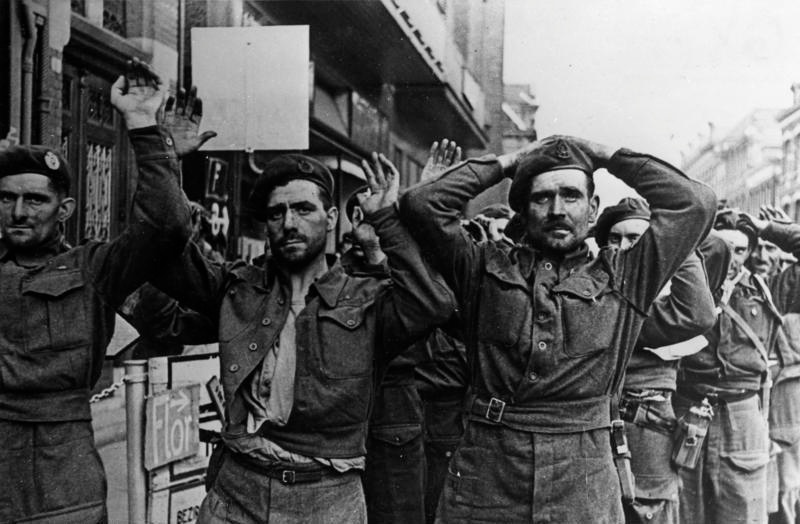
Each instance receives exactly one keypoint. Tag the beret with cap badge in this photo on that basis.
(555, 154)
(283, 169)
(16, 160)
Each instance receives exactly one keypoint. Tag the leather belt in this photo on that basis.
(716, 396)
(557, 416)
(286, 474)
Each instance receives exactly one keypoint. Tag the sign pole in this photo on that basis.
(135, 390)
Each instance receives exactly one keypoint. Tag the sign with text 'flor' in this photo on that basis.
(254, 84)
(172, 426)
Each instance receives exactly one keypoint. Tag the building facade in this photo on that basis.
(388, 75)
(744, 167)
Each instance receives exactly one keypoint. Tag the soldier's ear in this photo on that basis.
(594, 205)
(332, 218)
(65, 209)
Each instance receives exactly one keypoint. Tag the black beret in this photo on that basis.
(283, 169)
(352, 202)
(728, 218)
(16, 160)
(625, 209)
(556, 153)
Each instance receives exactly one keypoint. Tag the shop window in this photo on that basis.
(78, 6)
(114, 16)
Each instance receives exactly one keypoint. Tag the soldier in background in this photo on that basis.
(774, 228)
(684, 310)
(731, 374)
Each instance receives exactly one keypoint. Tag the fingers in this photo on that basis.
(434, 150)
(380, 176)
(449, 152)
(180, 101)
(140, 74)
(371, 178)
(206, 136)
(170, 103)
(457, 156)
(197, 109)
(190, 101)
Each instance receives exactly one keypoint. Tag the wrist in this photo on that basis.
(139, 121)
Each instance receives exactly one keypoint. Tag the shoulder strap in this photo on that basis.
(744, 326)
(762, 285)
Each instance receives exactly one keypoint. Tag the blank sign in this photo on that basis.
(254, 83)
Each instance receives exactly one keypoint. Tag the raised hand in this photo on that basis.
(442, 156)
(750, 224)
(138, 95)
(774, 214)
(384, 184)
(182, 116)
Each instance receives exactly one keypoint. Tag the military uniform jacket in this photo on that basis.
(351, 327)
(548, 340)
(57, 317)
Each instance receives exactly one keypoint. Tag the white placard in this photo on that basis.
(254, 85)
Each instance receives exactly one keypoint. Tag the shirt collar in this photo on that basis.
(37, 256)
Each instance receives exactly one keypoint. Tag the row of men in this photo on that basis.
(548, 331)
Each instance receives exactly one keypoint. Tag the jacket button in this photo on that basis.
(281, 301)
(266, 321)
(587, 293)
(754, 312)
(168, 140)
(233, 368)
(253, 346)
(532, 376)
(548, 266)
(542, 345)
(232, 292)
(541, 316)
(350, 322)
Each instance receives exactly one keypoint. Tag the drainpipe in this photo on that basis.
(28, 22)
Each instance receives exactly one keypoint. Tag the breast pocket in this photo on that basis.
(56, 311)
(589, 311)
(504, 307)
(345, 341)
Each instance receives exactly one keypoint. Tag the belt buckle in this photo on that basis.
(494, 411)
(287, 476)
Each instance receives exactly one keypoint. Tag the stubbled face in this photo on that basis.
(737, 242)
(625, 233)
(31, 210)
(765, 259)
(560, 210)
(298, 224)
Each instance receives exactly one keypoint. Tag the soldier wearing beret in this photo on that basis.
(548, 329)
(676, 321)
(302, 343)
(728, 484)
(57, 309)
